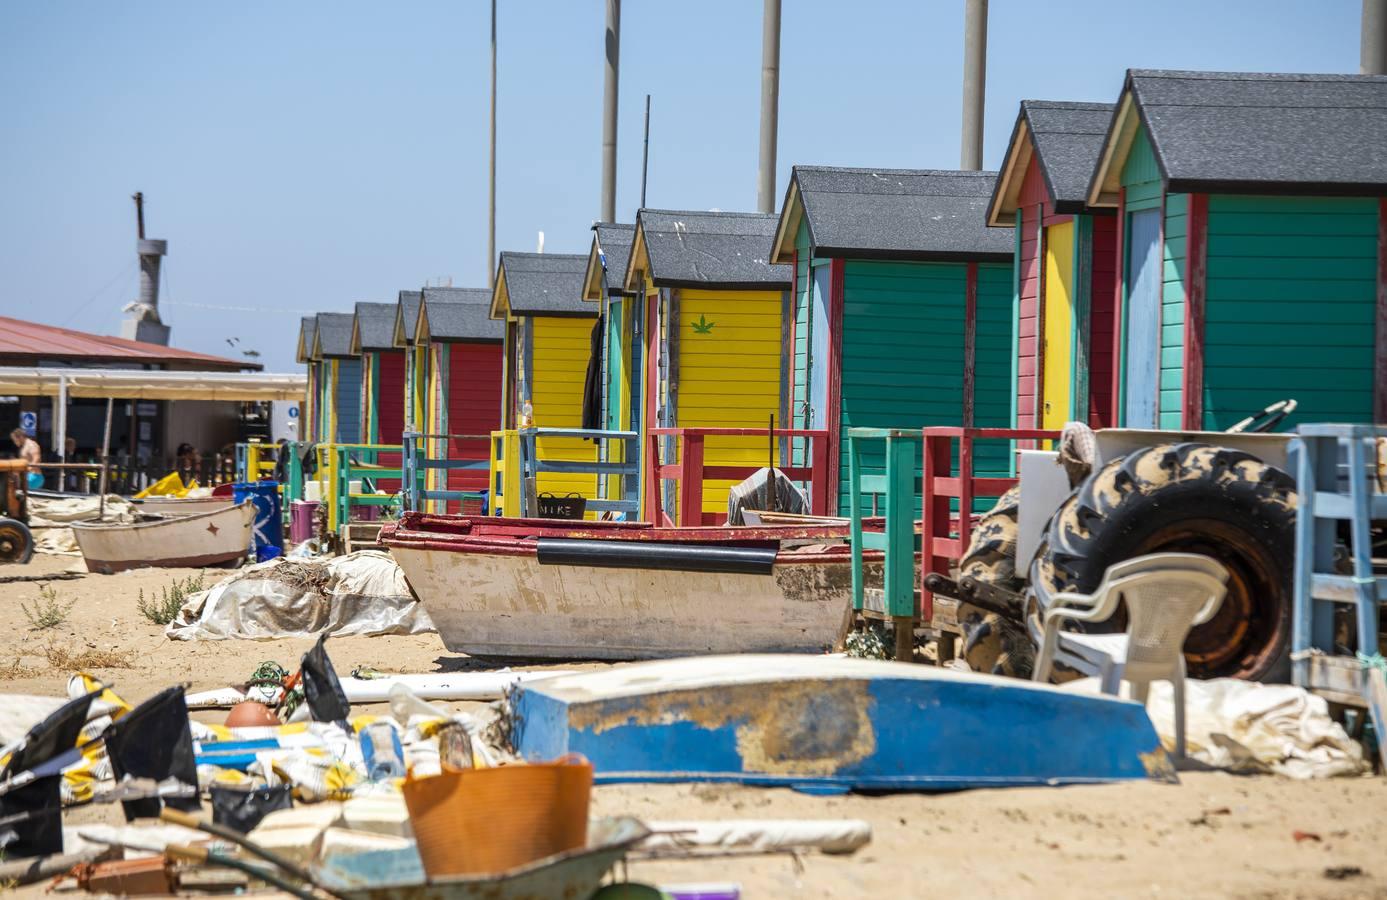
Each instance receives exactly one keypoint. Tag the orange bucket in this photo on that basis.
(487, 821)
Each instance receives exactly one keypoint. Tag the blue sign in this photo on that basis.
(29, 421)
(293, 412)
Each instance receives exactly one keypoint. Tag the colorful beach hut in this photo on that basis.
(548, 344)
(604, 285)
(716, 309)
(902, 311)
(382, 373)
(1252, 228)
(1066, 262)
(463, 362)
(340, 379)
(308, 331)
(416, 364)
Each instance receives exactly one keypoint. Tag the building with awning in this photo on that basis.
(57, 383)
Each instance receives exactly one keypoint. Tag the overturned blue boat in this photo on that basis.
(829, 724)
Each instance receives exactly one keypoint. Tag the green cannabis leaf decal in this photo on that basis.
(703, 326)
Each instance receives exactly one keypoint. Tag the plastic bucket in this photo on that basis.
(487, 821)
(301, 515)
(269, 524)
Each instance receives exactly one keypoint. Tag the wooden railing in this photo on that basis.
(516, 466)
(689, 470)
(945, 538)
(947, 491)
(418, 462)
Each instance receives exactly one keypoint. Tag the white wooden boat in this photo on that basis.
(620, 591)
(180, 506)
(204, 539)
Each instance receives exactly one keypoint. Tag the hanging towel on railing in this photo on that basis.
(592, 382)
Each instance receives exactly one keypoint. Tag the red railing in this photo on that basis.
(940, 548)
(690, 471)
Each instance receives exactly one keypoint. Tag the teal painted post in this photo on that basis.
(1081, 319)
(900, 542)
(855, 511)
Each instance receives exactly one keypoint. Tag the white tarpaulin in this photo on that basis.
(49, 518)
(1243, 726)
(363, 593)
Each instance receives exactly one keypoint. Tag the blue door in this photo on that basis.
(348, 401)
(1143, 340)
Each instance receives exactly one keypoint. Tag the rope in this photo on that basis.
(1373, 661)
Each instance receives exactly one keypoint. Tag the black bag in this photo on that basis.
(327, 702)
(155, 741)
(42, 833)
(243, 808)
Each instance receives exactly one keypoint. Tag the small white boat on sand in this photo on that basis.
(204, 539)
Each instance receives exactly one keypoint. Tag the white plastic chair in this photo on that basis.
(1166, 595)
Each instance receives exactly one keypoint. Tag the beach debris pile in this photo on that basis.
(331, 801)
(363, 593)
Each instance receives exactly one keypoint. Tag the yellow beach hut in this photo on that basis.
(715, 344)
(548, 345)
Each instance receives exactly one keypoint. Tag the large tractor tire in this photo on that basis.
(1191, 498)
(992, 643)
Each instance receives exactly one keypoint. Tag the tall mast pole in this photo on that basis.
(491, 197)
(974, 81)
(770, 104)
(612, 41)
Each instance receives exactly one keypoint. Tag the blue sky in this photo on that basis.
(302, 156)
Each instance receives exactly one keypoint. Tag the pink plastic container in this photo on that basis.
(301, 513)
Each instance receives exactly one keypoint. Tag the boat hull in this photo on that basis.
(206, 539)
(494, 596)
(827, 724)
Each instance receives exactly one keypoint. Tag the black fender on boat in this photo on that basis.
(653, 555)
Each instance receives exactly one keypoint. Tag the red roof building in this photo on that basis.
(31, 344)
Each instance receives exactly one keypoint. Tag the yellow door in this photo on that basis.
(1059, 325)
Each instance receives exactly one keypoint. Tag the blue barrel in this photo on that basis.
(267, 536)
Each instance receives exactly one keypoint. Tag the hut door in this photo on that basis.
(1059, 325)
(818, 350)
(1142, 338)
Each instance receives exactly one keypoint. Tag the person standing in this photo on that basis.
(30, 452)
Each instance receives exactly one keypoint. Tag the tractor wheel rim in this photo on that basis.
(1243, 636)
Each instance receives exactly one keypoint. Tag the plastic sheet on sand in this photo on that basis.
(363, 593)
(1243, 726)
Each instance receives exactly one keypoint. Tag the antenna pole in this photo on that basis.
(645, 155)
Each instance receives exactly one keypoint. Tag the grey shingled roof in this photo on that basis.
(407, 316)
(615, 240)
(711, 249)
(1251, 132)
(335, 334)
(308, 330)
(545, 284)
(461, 314)
(375, 327)
(1068, 137)
(900, 213)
